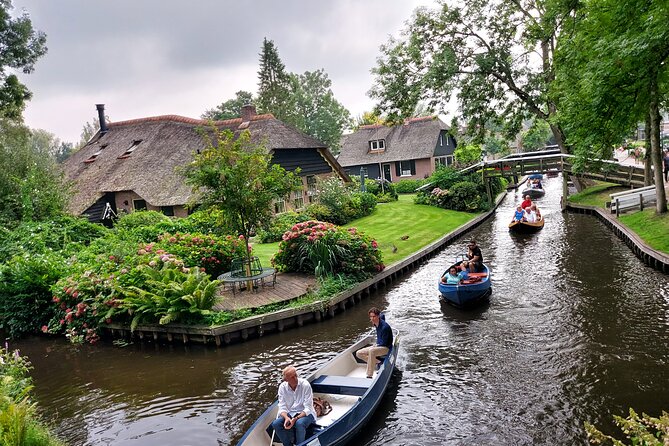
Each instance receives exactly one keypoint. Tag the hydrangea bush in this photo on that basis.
(321, 248)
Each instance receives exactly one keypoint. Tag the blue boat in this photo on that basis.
(475, 288)
(343, 383)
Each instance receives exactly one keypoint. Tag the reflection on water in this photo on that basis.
(575, 330)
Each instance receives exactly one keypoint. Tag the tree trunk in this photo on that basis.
(656, 151)
(647, 163)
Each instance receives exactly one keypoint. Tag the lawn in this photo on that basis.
(651, 227)
(596, 195)
(400, 228)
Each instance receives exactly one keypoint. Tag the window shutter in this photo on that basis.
(398, 172)
(413, 167)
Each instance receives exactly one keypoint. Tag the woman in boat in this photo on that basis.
(519, 215)
(452, 277)
(535, 209)
(526, 202)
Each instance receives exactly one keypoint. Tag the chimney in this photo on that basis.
(101, 117)
(248, 112)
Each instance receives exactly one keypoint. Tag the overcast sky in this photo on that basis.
(156, 57)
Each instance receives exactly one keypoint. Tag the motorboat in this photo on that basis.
(474, 288)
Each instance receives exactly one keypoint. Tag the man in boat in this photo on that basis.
(530, 215)
(296, 408)
(475, 257)
(526, 202)
(384, 341)
(535, 209)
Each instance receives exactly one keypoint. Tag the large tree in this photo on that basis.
(317, 112)
(238, 177)
(496, 55)
(20, 47)
(274, 91)
(231, 108)
(612, 73)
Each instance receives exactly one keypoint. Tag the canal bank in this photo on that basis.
(278, 321)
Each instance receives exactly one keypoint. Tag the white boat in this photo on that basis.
(343, 383)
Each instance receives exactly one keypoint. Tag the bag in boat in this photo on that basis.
(321, 406)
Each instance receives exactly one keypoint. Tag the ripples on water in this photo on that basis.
(575, 330)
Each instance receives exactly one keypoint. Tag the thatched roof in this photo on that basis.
(417, 138)
(167, 142)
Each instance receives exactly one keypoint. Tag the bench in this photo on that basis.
(342, 385)
(632, 199)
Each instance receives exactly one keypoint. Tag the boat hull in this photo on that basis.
(534, 192)
(467, 294)
(344, 429)
(523, 227)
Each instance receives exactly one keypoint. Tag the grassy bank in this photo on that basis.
(400, 228)
(652, 228)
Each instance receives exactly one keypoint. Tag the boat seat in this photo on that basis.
(342, 385)
(479, 275)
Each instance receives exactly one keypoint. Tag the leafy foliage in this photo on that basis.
(453, 190)
(279, 224)
(339, 203)
(231, 108)
(407, 186)
(324, 249)
(641, 430)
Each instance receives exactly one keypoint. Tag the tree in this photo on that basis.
(274, 91)
(536, 136)
(231, 108)
(20, 47)
(238, 177)
(317, 113)
(612, 74)
(88, 130)
(497, 56)
(368, 118)
(31, 184)
(47, 144)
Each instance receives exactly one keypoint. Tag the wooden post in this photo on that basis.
(617, 207)
(641, 201)
(565, 190)
(488, 190)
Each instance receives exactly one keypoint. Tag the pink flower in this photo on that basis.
(112, 257)
(62, 321)
(45, 329)
(374, 244)
(56, 299)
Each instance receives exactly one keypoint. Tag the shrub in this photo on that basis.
(641, 430)
(321, 248)
(279, 224)
(381, 187)
(463, 196)
(408, 186)
(205, 221)
(143, 226)
(318, 212)
(211, 253)
(25, 296)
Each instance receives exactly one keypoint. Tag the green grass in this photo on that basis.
(390, 222)
(596, 195)
(651, 227)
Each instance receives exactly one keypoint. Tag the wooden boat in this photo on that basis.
(524, 227)
(534, 192)
(477, 287)
(343, 383)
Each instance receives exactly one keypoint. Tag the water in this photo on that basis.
(576, 330)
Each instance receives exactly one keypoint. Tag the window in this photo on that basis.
(131, 149)
(279, 206)
(441, 140)
(167, 210)
(405, 168)
(443, 161)
(311, 185)
(94, 156)
(377, 145)
(139, 205)
(298, 199)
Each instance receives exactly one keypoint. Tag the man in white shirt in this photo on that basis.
(296, 408)
(530, 215)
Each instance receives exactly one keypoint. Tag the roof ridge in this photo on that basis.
(420, 118)
(185, 120)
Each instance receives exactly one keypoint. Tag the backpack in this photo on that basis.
(321, 406)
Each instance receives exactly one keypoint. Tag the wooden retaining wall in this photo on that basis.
(279, 321)
(655, 259)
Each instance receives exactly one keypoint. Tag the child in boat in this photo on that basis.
(452, 277)
(536, 211)
(519, 215)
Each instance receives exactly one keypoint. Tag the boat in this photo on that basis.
(534, 192)
(343, 383)
(470, 291)
(524, 227)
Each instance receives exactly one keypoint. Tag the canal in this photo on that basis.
(577, 329)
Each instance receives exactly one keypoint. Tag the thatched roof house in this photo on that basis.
(130, 165)
(410, 150)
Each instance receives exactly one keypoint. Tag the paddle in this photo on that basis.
(271, 440)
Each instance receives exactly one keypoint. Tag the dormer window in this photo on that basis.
(131, 149)
(377, 145)
(94, 156)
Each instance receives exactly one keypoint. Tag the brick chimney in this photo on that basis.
(248, 112)
(101, 117)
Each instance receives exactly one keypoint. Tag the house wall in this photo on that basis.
(125, 203)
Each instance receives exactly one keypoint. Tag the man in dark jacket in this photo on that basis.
(384, 341)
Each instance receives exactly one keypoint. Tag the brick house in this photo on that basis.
(412, 150)
(130, 165)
